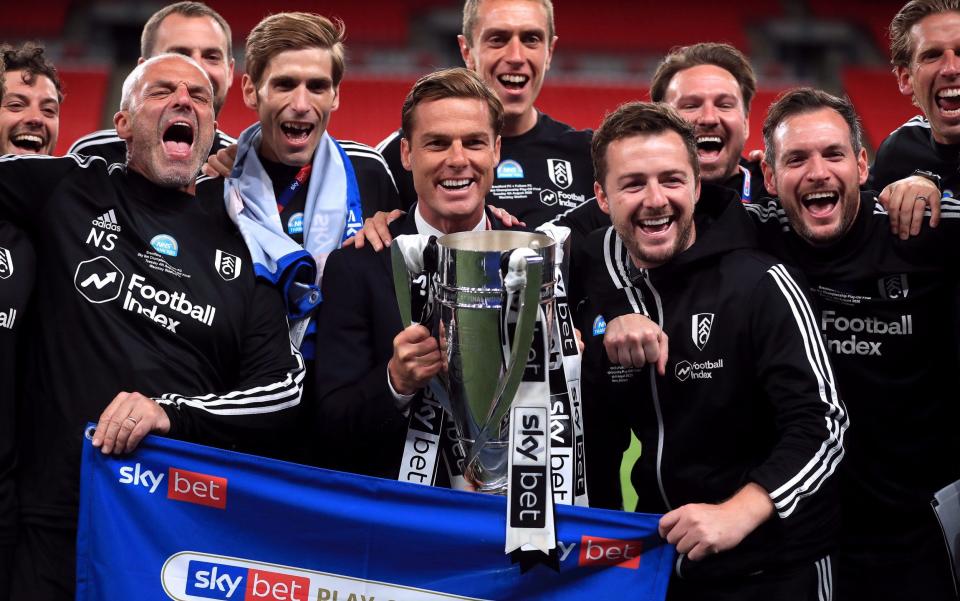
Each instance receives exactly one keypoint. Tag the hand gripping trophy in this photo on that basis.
(497, 303)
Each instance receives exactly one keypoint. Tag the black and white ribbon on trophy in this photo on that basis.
(431, 432)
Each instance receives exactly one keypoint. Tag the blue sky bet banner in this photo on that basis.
(181, 521)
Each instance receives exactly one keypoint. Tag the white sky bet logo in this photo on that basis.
(192, 576)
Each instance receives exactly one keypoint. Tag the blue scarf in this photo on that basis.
(332, 214)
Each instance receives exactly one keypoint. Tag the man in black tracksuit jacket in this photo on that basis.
(744, 430)
(142, 285)
(886, 309)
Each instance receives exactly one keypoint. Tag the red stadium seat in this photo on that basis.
(374, 22)
(85, 91)
(25, 20)
(878, 101)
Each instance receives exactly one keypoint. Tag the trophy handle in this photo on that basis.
(524, 275)
(410, 256)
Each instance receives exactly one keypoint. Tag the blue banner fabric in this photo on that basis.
(181, 521)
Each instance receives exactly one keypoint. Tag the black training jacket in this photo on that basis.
(138, 288)
(748, 395)
(886, 309)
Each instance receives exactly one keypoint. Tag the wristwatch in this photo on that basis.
(933, 177)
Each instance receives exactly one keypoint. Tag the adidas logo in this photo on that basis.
(107, 221)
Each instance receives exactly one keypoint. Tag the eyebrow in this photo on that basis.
(509, 32)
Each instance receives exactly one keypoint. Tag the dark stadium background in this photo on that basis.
(605, 55)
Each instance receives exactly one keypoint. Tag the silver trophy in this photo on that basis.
(487, 293)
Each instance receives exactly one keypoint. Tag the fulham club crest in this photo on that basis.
(560, 172)
(228, 266)
(6, 263)
(702, 322)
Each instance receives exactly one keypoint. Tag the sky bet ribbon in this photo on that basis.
(194, 523)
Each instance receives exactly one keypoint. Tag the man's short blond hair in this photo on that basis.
(471, 8)
(294, 31)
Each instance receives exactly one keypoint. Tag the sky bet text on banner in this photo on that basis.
(181, 521)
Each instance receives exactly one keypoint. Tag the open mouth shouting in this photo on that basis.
(820, 204)
(709, 147)
(296, 132)
(29, 142)
(178, 139)
(948, 101)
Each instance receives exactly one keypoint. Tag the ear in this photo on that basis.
(904, 80)
(336, 99)
(249, 92)
(746, 126)
(230, 72)
(465, 52)
(121, 121)
(862, 166)
(602, 200)
(405, 154)
(496, 152)
(696, 198)
(550, 47)
(769, 178)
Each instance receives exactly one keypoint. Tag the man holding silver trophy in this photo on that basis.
(438, 338)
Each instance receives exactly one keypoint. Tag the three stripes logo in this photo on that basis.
(107, 221)
(560, 172)
(701, 325)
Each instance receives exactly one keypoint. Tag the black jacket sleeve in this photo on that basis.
(390, 149)
(28, 181)
(269, 382)
(357, 323)
(794, 370)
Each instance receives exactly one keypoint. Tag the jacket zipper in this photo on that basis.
(655, 395)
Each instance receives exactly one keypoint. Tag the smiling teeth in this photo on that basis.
(950, 93)
(28, 138)
(655, 222)
(708, 139)
(300, 127)
(819, 195)
(513, 78)
(455, 183)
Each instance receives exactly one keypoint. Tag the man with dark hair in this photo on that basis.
(882, 301)
(712, 85)
(295, 191)
(30, 98)
(451, 144)
(30, 113)
(743, 429)
(545, 166)
(924, 38)
(189, 28)
(148, 298)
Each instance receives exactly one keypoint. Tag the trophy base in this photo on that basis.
(487, 469)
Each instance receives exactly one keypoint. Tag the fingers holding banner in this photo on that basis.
(126, 420)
